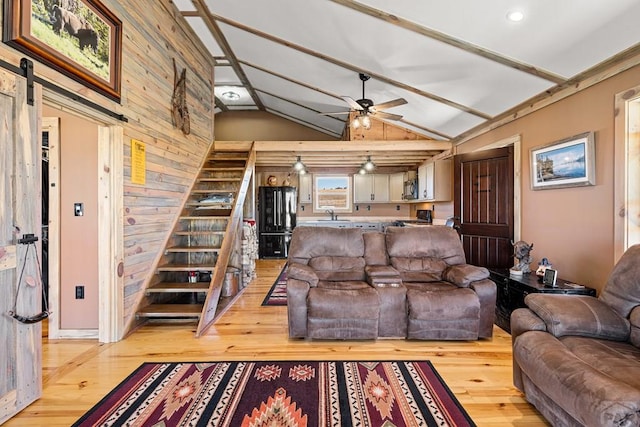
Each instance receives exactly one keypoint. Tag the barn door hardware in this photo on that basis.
(27, 71)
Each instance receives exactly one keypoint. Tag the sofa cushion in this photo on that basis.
(338, 267)
(578, 315)
(579, 388)
(362, 303)
(343, 285)
(435, 241)
(425, 269)
(617, 359)
(443, 315)
(622, 290)
(375, 249)
(434, 286)
(311, 242)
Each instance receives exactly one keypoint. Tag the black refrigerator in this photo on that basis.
(277, 206)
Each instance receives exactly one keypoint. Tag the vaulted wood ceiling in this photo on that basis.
(460, 64)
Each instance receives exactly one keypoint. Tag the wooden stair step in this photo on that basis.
(210, 211)
(205, 191)
(178, 287)
(199, 233)
(194, 249)
(219, 179)
(171, 310)
(186, 267)
(209, 206)
(223, 169)
(211, 217)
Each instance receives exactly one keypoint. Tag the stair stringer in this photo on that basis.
(208, 316)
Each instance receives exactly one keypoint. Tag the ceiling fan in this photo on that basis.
(365, 107)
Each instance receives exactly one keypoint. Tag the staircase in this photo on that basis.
(189, 277)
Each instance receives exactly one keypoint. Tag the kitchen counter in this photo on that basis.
(369, 224)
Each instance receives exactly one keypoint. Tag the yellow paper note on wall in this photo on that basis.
(138, 162)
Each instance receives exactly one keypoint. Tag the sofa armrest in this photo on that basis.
(297, 291)
(487, 292)
(382, 274)
(634, 319)
(462, 275)
(303, 273)
(522, 320)
(578, 315)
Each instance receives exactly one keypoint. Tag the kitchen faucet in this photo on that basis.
(333, 215)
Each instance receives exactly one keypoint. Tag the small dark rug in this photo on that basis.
(279, 394)
(277, 295)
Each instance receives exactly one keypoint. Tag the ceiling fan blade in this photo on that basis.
(389, 104)
(389, 116)
(335, 112)
(352, 103)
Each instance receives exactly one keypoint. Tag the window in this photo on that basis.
(332, 192)
(627, 167)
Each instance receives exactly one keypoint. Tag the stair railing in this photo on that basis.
(208, 316)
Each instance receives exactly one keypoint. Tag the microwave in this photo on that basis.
(410, 190)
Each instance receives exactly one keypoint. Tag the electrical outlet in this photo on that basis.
(80, 292)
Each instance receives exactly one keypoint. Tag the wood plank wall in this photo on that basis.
(154, 33)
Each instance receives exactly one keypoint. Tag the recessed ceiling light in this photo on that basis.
(231, 95)
(515, 16)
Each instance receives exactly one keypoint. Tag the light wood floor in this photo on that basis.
(78, 373)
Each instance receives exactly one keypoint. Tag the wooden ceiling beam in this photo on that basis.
(351, 67)
(350, 146)
(451, 41)
(202, 11)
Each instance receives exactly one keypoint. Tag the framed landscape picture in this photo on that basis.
(566, 163)
(80, 38)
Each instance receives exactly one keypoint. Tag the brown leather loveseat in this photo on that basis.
(346, 283)
(577, 358)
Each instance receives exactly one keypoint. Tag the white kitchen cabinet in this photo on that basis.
(305, 188)
(396, 186)
(435, 181)
(371, 188)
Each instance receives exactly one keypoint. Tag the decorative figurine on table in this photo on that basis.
(542, 266)
(522, 254)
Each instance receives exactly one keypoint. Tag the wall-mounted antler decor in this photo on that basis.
(179, 110)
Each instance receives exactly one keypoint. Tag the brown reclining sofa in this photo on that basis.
(346, 283)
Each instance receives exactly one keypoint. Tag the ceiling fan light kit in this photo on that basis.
(366, 108)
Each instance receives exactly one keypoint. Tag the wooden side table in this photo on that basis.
(513, 289)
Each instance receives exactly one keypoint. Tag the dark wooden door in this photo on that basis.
(483, 205)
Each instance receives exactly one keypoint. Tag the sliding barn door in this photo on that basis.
(20, 212)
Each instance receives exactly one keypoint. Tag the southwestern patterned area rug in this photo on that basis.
(277, 295)
(280, 394)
